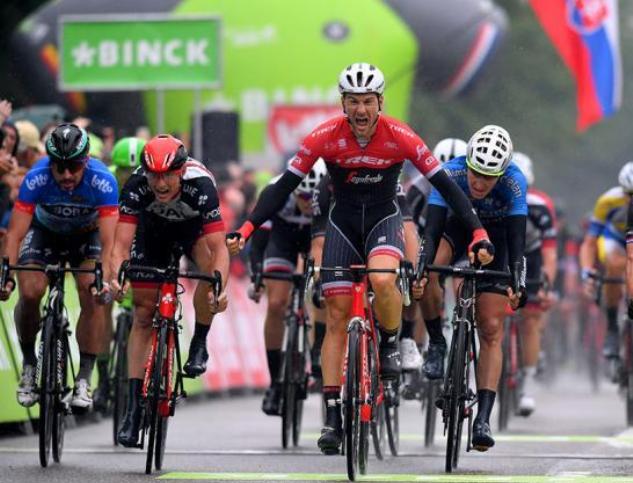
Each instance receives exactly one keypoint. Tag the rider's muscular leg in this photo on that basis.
(531, 336)
(140, 335)
(388, 299)
(278, 295)
(333, 349)
(91, 328)
(490, 315)
(91, 325)
(32, 287)
(614, 267)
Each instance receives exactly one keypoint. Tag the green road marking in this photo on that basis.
(524, 438)
(442, 478)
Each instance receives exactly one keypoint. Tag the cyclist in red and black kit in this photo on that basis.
(168, 208)
(364, 151)
(541, 264)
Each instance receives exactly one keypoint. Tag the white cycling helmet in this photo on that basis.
(361, 78)
(489, 151)
(524, 163)
(449, 148)
(625, 178)
(313, 178)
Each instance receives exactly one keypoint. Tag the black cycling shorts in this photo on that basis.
(353, 235)
(160, 247)
(284, 247)
(44, 247)
(459, 239)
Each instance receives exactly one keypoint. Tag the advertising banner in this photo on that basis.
(132, 52)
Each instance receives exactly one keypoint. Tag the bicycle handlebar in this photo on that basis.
(56, 269)
(172, 274)
(404, 272)
(468, 272)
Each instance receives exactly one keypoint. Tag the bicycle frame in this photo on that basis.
(361, 314)
(167, 307)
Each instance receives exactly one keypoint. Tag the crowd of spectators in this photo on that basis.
(22, 144)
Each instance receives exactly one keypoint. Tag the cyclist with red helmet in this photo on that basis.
(168, 207)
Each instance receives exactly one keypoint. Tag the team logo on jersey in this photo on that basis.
(36, 181)
(173, 211)
(367, 179)
(422, 151)
(101, 184)
(213, 214)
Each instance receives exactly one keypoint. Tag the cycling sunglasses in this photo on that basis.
(72, 166)
(305, 196)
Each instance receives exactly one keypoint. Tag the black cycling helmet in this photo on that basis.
(68, 142)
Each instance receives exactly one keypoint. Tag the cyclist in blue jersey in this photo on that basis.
(66, 212)
(497, 189)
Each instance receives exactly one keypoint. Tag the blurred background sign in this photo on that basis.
(132, 52)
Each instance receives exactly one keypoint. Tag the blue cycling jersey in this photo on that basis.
(68, 212)
(508, 197)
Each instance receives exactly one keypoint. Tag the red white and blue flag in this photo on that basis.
(586, 35)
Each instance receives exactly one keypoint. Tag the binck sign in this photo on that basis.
(138, 52)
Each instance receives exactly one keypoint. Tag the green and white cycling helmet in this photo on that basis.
(126, 153)
(489, 151)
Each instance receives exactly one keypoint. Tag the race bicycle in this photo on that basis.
(458, 395)
(368, 400)
(294, 371)
(54, 356)
(163, 385)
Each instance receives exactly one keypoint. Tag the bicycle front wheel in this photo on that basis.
(61, 388)
(392, 419)
(46, 390)
(351, 406)
(164, 409)
(456, 391)
(154, 395)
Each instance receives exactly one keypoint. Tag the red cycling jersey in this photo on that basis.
(369, 174)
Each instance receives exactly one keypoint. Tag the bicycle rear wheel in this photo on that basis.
(153, 397)
(377, 426)
(120, 376)
(431, 394)
(351, 404)
(61, 388)
(289, 392)
(46, 391)
(455, 399)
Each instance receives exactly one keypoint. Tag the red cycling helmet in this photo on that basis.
(164, 153)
